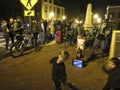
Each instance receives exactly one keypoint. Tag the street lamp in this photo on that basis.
(95, 16)
(64, 17)
(99, 20)
(51, 15)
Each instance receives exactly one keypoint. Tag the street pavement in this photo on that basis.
(5, 53)
(32, 71)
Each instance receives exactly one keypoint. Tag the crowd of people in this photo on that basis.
(41, 29)
(44, 30)
(59, 30)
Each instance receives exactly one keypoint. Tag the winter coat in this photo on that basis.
(58, 70)
(113, 82)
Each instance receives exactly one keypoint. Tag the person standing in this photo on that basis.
(99, 40)
(11, 28)
(52, 30)
(18, 28)
(58, 69)
(6, 33)
(42, 31)
(113, 81)
(35, 31)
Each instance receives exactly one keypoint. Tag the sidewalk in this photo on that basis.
(3, 53)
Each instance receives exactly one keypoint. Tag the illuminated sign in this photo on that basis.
(29, 13)
(29, 3)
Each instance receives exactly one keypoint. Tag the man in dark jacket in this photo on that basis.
(35, 31)
(6, 33)
(113, 82)
(18, 28)
(11, 28)
(58, 69)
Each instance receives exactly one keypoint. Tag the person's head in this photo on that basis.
(34, 20)
(64, 55)
(4, 23)
(19, 19)
(11, 19)
(113, 62)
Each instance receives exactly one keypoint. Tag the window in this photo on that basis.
(112, 15)
(58, 11)
(45, 8)
(50, 8)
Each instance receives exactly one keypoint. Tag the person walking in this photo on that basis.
(58, 69)
(113, 81)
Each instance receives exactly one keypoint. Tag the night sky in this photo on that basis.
(71, 6)
(99, 6)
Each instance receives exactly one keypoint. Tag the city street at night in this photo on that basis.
(32, 71)
(60, 45)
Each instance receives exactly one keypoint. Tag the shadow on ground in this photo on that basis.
(71, 86)
(4, 55)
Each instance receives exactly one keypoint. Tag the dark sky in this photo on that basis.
(99, 6)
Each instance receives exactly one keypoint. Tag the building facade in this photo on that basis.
(51, 11)
(113, 15)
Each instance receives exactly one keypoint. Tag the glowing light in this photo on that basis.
(64, 17)
(99, 20)
(95, 16)
(51, 15)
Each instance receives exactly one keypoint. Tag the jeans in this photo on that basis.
(95, 44)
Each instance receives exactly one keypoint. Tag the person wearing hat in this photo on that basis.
(58, 69)
(113, 81)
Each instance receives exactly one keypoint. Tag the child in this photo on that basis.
(58, 69)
